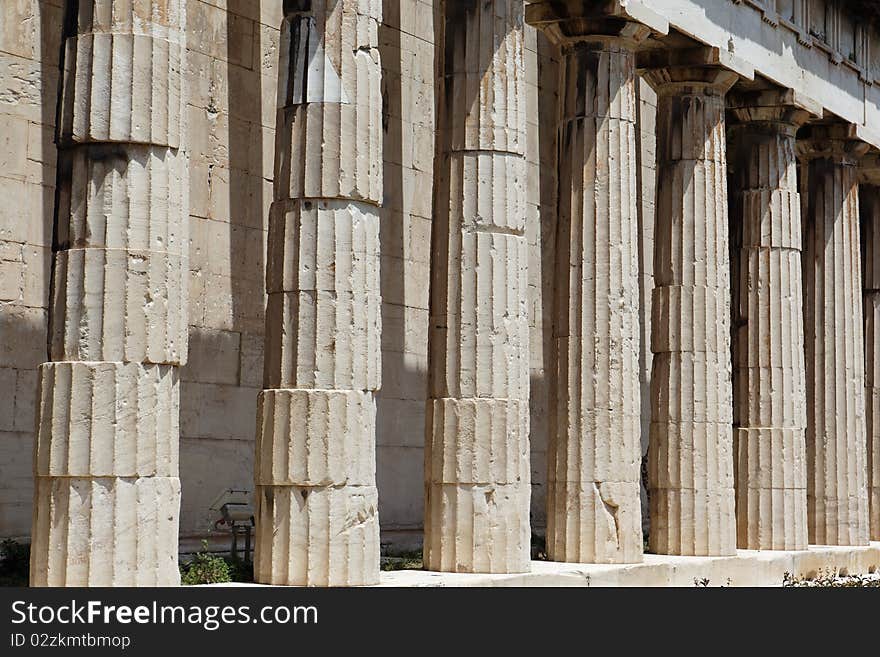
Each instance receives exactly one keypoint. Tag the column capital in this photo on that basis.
(290, 7)
(713, 70)
(869, 169)
(776, 109)
(835, 141)
(574, 22)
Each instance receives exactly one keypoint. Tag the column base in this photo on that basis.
(771, 489)
(108, 531)
(317, 536)
(477, 528)
(595, 522)
(845, 520)
(771, 519)
(693, 522)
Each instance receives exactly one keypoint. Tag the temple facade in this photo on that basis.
(598, 276)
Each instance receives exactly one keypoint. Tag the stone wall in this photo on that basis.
(406, 44)
(231, 118)
(30, 42)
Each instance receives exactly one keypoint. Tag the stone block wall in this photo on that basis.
(30, 42)
(232, 50)
(406, 46)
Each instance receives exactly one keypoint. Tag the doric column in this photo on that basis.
(769, 388)
(690, 466)
(594, 453)
(315, 470)
(869, 201)
(477, 476)
(107, 493)
(837, 507)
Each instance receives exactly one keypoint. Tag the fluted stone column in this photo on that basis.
(837, 505)
(769, 392)
(690, 466)
(107, 493)
(869, 201)
(315, 470)
(477, 473)
(594, 453)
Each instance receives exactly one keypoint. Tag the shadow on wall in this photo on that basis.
(221, 382)
(28, 106)
(248, 221)
(401, 402)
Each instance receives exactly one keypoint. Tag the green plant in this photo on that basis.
(205, 568)
(14, 563)
(828, 578)
(403, 561)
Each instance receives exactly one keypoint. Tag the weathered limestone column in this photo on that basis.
(837, 505)
(315, 471)
(769, 391)
(594, 453)
(107, 494)
(690, 452)
(477, 473)
(869, 201)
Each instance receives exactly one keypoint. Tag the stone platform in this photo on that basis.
(748, 568)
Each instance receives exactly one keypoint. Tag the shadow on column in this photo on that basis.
(540, 386)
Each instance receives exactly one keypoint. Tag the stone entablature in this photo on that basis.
(821, 49)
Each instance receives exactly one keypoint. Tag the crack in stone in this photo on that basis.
(612, 509)
(359, 519)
